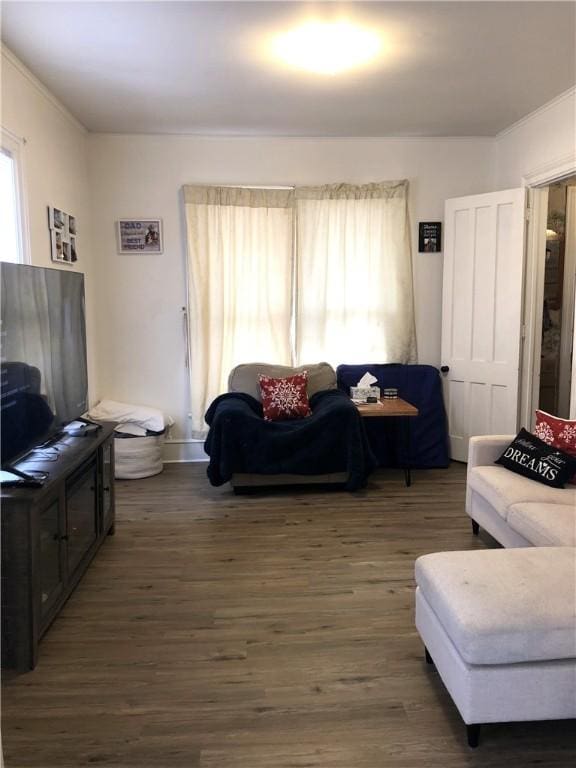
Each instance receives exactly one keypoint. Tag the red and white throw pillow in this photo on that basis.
(285, 398)
(557, 432)
(560, 433)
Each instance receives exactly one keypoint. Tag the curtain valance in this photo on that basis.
(383, 190)
(243, 197)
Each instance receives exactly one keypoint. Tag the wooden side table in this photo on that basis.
(396, 408)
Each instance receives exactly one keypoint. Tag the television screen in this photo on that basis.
(44, 376)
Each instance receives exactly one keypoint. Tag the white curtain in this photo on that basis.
(240, 285)
(354, 297)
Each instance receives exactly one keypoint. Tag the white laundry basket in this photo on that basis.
(139, 440)
(137, 457)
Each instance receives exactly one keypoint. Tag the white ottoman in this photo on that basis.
(500, 626)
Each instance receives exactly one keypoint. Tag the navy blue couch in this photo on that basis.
(419, 385)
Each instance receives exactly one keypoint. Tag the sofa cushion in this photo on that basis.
(244, 378)
(504, 606)
(561, 433)
(544, 525)
(501, 488)
(284, 399)
(531, 457)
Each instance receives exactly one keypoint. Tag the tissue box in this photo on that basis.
(361, 393)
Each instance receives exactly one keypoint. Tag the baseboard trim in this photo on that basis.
(178, 451)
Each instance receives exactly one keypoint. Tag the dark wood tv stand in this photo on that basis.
(50, 535)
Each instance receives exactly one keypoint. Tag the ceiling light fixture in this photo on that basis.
(327, 48)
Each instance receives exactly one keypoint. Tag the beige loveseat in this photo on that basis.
(516, 511)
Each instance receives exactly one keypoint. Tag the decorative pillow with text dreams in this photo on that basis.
(529, 456)
(284, 399)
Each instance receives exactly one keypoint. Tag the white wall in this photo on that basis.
(134, 302)
(140, 341)
(56, 173)
(531, 152)
(542, 142)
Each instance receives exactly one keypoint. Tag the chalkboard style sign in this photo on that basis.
(430, 237)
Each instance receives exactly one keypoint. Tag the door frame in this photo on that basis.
(567, 364)
(534, 268)
(537, 183)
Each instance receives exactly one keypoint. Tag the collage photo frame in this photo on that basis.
(62, 236)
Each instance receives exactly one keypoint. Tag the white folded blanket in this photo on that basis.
(140, 415)
(129, 428)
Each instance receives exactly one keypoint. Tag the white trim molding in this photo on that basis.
(553, 170)
(570, 93)
(41, 88)
(176, 451)
(16, 148)
(533, 304)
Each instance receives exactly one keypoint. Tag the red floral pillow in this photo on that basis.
(557, 432)
(285, 398)
(560, 433)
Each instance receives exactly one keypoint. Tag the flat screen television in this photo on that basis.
(44, 372)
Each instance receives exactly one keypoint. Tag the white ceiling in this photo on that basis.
(455, 68)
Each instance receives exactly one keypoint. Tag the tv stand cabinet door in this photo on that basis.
(81, 515)
(49, 557)
(107, 472)
(19, 616)
(33, 575)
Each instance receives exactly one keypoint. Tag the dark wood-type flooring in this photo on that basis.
(265, 631)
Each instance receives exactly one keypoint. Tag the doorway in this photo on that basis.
(558, 298)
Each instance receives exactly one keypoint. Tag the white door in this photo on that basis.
(482, 314)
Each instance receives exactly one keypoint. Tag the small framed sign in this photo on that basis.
(430, 237)
(140, 236)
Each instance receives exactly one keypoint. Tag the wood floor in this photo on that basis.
(266, 631)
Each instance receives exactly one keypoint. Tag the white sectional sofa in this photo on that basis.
(491, 620)
(516, 511)
(500, 627)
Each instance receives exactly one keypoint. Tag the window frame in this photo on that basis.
(14, 146)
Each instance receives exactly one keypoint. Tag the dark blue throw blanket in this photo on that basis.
(332, 439)
(421, 386)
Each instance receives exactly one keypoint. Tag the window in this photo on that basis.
(296, 276)
(12, 219)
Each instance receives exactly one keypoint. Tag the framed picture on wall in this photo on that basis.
(61, 248)
(56, 246)
(56, 218)
(430, 237)
(62, 236)
(140, 236)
